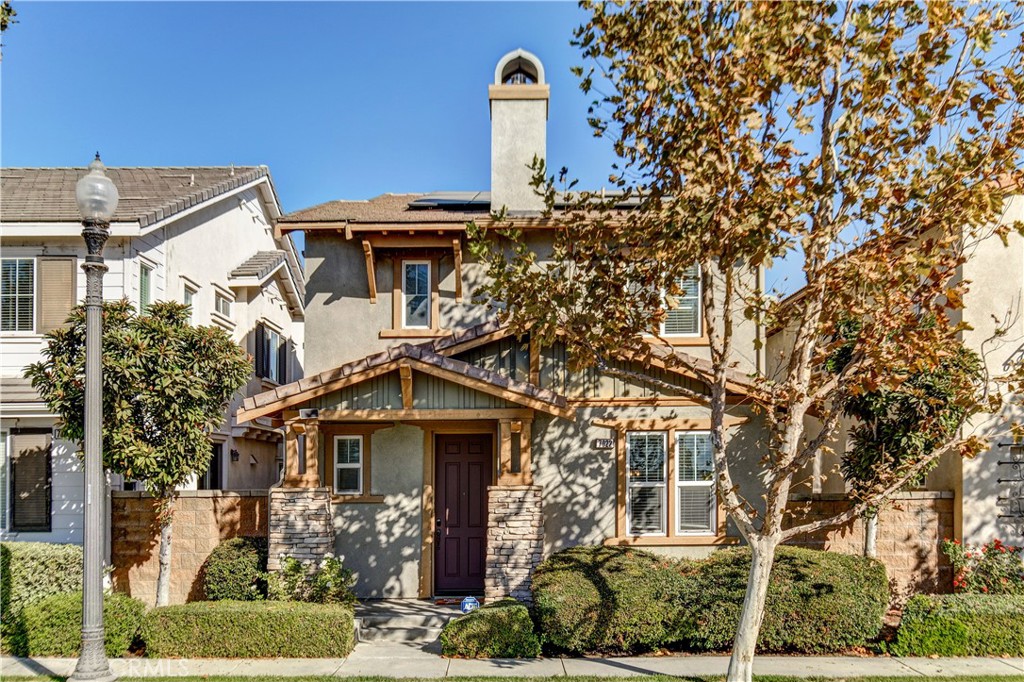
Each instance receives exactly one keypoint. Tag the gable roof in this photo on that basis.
(147, 195)
(386, 208)
(418, 358)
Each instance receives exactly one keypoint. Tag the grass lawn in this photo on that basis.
(652, 678)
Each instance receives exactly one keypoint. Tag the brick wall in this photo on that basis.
(515, 540)
(202, 519)
(910, 533)
(301, 525)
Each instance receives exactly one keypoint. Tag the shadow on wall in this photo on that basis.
(202, 520)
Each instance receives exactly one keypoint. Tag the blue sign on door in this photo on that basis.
(470, 604)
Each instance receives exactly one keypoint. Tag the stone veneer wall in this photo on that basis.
(202, 520)
(910, 533)
(301, 525)
(515, 540)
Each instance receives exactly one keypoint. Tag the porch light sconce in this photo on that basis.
(517, 426)
(252, 460)
(235, 455)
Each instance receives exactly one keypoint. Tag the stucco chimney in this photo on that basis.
(519, 119)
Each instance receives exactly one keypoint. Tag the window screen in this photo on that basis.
(30, 480)
(645, 489)
(17, 294)
(695, 489)
(683, 318)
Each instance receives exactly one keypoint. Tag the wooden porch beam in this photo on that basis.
(371, 271)
(682, 424)
(421, 415)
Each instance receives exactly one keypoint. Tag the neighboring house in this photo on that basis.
(452, 455)
(987, 490)
(202, 236)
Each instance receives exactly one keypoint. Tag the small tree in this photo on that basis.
(872, 143)
(166, 385)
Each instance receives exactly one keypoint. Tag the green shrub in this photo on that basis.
(503, 629)
(614, 600)
(961, 625)
(237, 569)
(246, 629)
(607, 599)
(30, 571)
(327, 582)
(818, 602)
(52, 626)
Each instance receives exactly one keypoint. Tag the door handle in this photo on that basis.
(437, 531)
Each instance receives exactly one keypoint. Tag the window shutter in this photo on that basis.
(261, 350)
(56, 292)
(30, 481)
(282, 362)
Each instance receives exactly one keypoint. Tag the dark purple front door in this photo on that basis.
(462, 468)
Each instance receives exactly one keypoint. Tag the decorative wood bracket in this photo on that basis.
(371, 272)
(406, 373)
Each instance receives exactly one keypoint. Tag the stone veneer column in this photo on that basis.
(299, 524)
(515, 540)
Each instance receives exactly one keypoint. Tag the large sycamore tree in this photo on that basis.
(871, 143)
(166, 385)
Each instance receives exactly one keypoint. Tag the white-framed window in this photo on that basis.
(348, 465)
(17, 294)
(271, 354)
(696, 507)
(188, 297)
(647, 466)
(222, 304)
(145, 286)
(416, 294)
(682, 310)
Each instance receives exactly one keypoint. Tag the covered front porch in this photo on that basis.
(417, 468)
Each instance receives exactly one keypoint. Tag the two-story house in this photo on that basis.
(202, 236)
(452, 455)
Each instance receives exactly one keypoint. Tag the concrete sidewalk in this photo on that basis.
(401, 660)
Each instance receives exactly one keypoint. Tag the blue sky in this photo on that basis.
(340, 100)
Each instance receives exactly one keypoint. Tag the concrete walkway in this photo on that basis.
(399, 660)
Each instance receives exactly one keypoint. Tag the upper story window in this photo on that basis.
(416, 297)
(683, 313)
(145, 287)
(271, 354)
(17, 294)
(222, 304)
(36, 294)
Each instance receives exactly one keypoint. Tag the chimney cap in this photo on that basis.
(519, 67)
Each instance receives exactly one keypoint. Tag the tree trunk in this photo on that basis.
(163, 579)
(871, 535)
(741, 664)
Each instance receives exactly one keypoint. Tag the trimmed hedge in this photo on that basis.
(30, 571)
(502, 629)
(237, 569)
(53, 626)
(818, 602)
(621, 600)
(246, 629)
(608, 599)
(961, 625)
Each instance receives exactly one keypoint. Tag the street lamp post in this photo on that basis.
(97, 200)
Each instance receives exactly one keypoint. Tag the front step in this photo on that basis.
(411, 622)
(405, 635)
